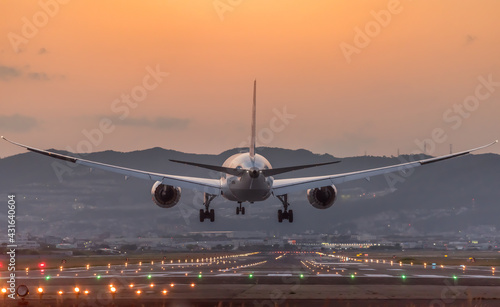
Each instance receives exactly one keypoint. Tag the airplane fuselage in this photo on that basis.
(251, 185)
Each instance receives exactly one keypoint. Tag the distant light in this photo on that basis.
(171, 285)
(138, 292)
(164, 291)
(112, 289)
(40, 290)
(152, 285)
(192, 285)
(60, 292)
(131, 285)
(4, 290)
(86, 291)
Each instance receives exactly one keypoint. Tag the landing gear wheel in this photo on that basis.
(207, 213)
(237, 210)
(202, 215)
(285, 214)
(243, 211)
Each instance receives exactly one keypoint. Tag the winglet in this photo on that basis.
(252, 139)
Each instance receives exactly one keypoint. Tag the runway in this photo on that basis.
(263, 279)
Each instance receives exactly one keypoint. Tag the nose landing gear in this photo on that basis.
(240, 209)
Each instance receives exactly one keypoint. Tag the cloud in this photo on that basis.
(161, 123)
(470, 38)
(7, 73)
(38, 76)
(17, 123)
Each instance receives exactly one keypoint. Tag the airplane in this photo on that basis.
(248, 177)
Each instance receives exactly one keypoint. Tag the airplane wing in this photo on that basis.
(211, 186)
(285, 186)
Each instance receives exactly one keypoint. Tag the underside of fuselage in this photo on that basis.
(251, 185)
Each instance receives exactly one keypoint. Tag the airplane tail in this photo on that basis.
(253, 136)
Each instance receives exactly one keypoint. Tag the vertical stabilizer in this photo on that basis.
(252, 139)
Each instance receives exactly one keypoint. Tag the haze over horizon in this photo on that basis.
(337, 77)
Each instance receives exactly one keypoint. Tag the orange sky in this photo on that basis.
(419, 65)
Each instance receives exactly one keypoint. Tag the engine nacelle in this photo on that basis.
(165, 196)
(322, 198)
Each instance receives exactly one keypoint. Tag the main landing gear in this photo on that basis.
(285, 214)
(207, 213)
(240, 209)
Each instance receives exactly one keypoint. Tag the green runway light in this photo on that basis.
(47, 278)
(455, 277)
(301, 275)
(251, 275)
(149, 276)
(98, 276)
(352, 275)
(199, 275)
(403, 276)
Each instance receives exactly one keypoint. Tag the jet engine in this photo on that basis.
(322, 198)
(165, 196)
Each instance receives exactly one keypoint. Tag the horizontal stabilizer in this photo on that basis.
(281, 170)
(222, 169)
